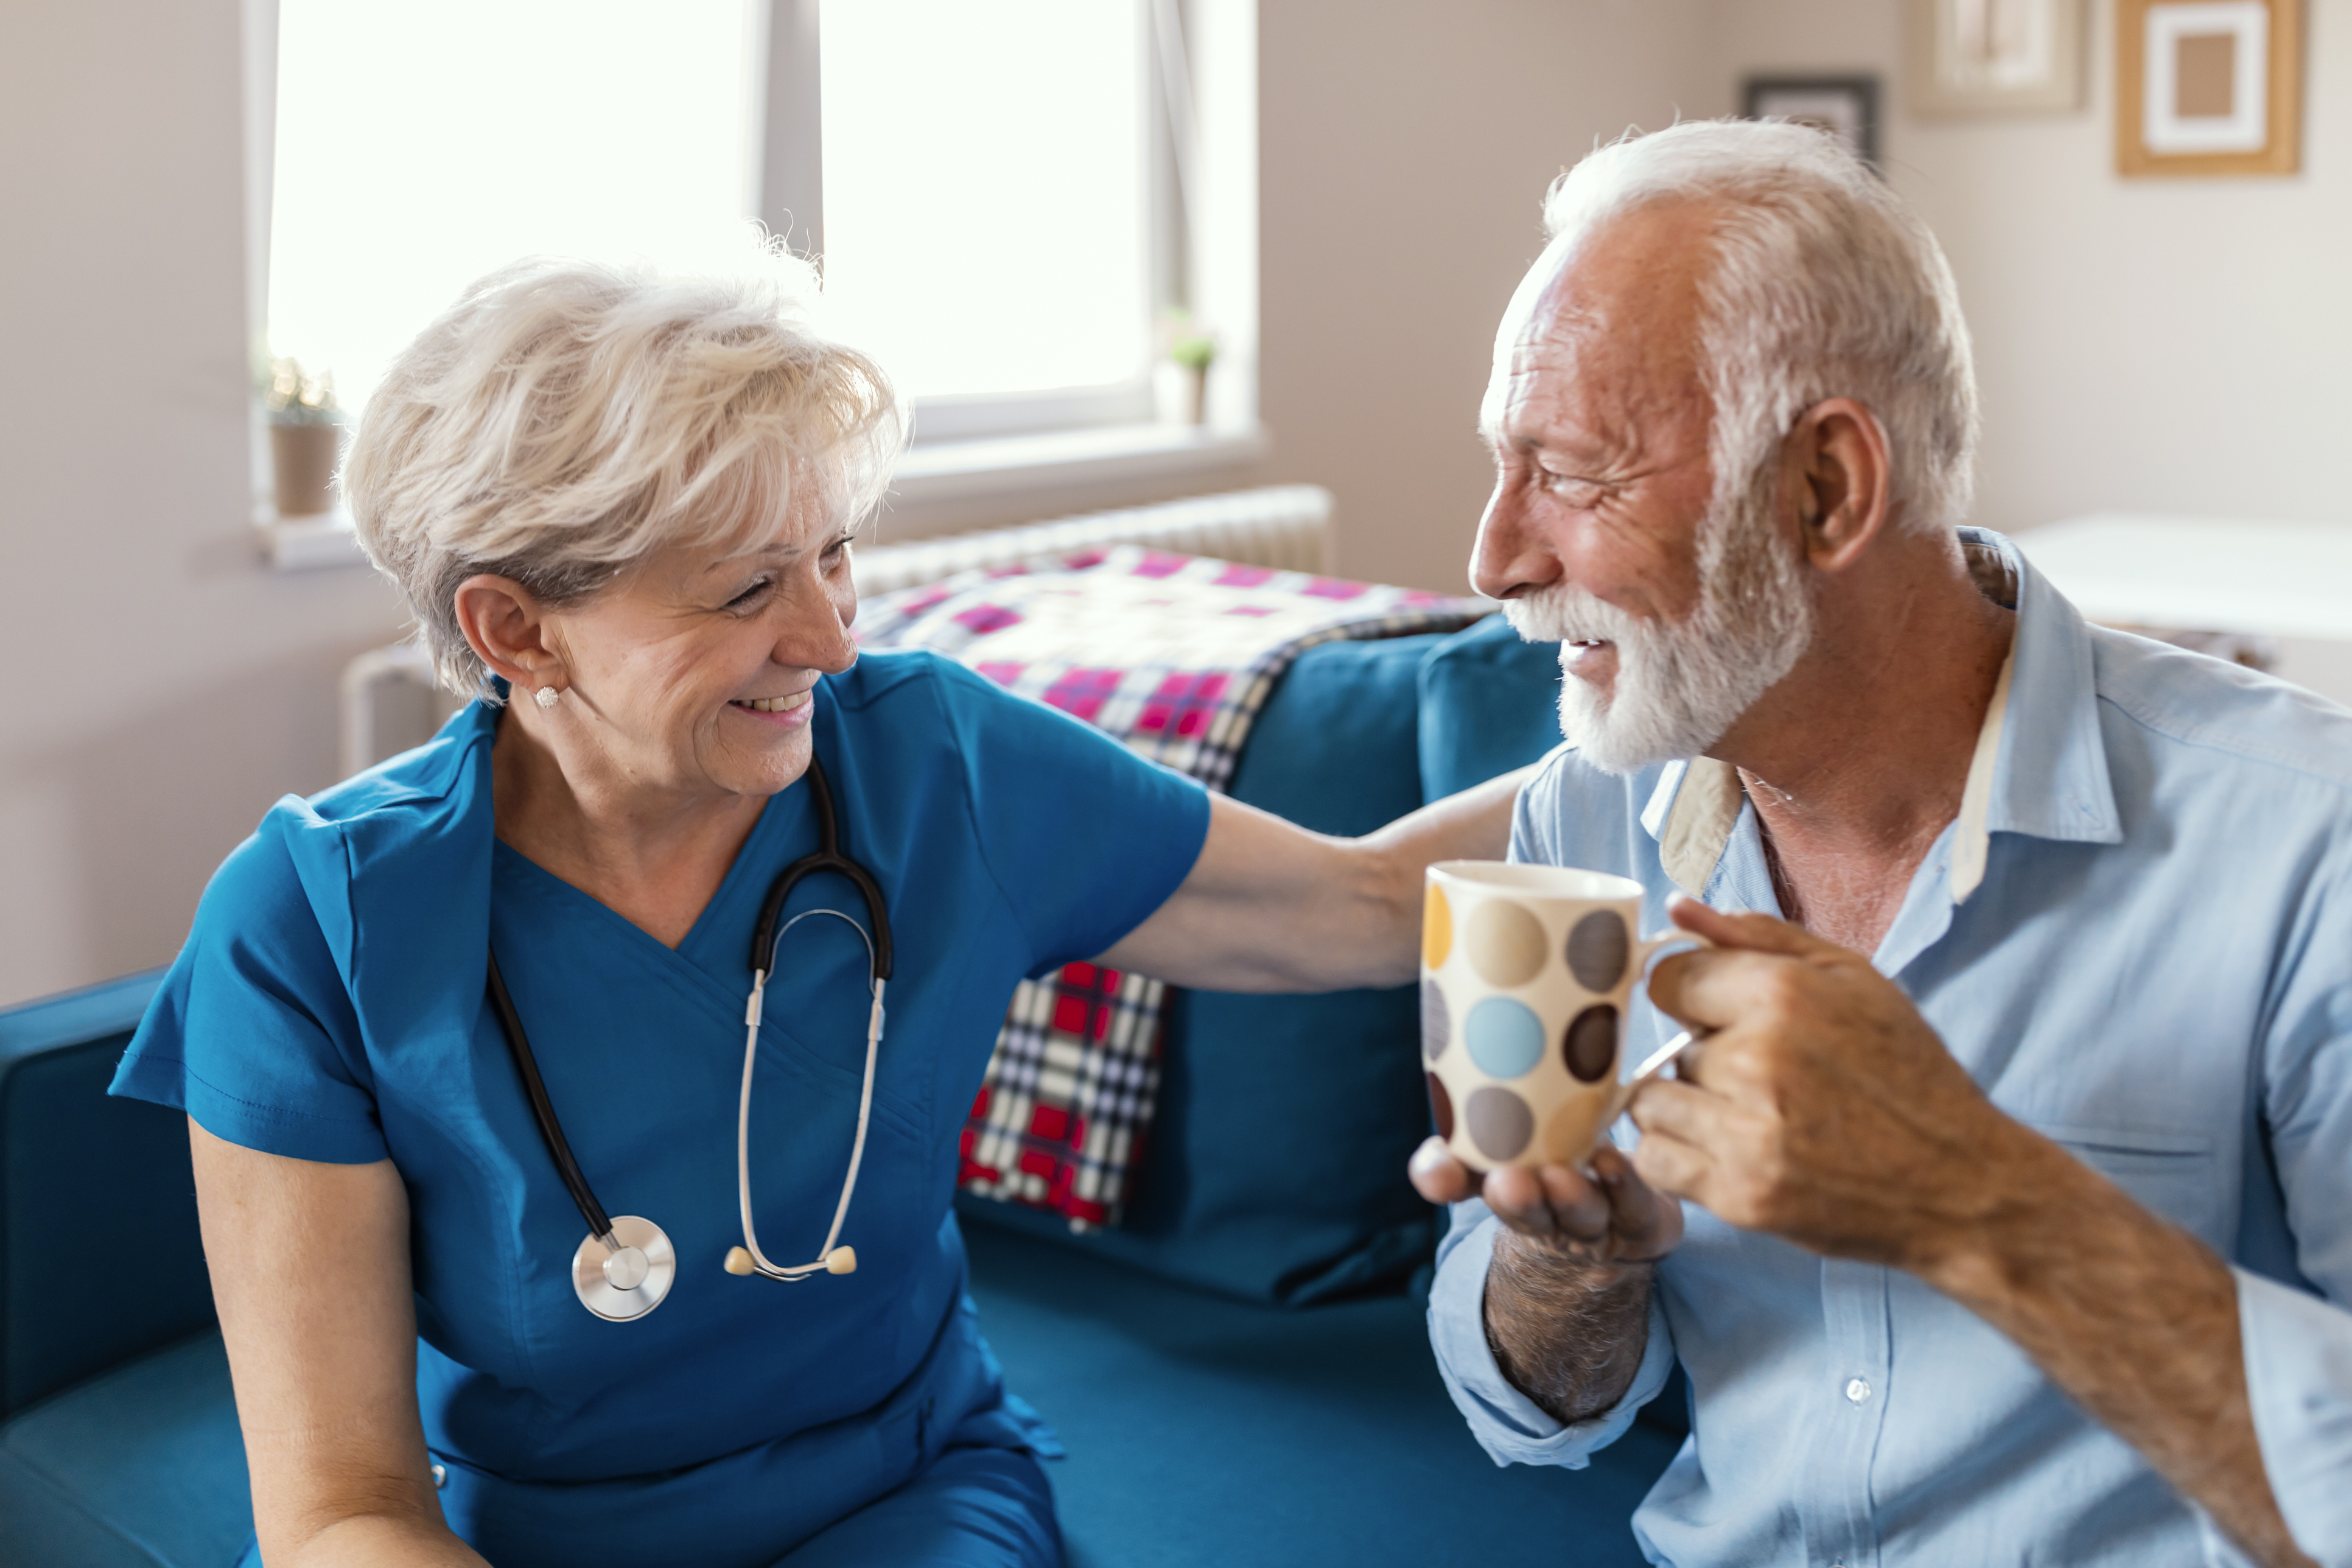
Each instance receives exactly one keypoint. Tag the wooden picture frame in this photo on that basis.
(1993, 56)
(2208, 86)
(1844, 105)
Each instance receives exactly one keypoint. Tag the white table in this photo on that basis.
(2272, 579)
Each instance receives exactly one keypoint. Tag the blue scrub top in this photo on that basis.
(330, 1005)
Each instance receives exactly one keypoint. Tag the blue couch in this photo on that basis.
(1240, 1371)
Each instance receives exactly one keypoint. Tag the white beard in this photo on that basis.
(1680, 686)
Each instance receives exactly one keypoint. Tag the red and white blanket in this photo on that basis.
(1173, 654)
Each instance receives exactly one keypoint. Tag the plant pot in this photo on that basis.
(303, 456)
(1183, 393)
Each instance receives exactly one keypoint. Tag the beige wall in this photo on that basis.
(162, 690)
(2170, 346)
(1404, 148)
(2175, 345)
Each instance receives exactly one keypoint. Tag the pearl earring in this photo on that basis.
(546, 697)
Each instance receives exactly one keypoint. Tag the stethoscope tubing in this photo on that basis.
(833, 1258)
(794, 1273)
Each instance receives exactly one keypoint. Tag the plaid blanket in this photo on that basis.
(1173, 654)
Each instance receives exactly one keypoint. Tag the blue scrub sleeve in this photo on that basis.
(1084, 839)
(252, 1032)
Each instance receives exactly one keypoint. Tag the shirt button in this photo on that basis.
(1857, 1390)
(440, 1478)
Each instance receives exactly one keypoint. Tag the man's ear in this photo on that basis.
(506, 626)
(1838, 475)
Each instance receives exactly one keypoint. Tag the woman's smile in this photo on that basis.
(790, 711)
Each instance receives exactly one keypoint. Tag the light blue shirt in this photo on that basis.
(2137, 938)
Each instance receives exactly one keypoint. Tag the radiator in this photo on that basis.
(390, 702)
(1286, 526)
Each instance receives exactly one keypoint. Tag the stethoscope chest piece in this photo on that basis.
(627, 1280)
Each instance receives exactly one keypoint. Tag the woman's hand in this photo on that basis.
(309, 1267)
(1269, 906)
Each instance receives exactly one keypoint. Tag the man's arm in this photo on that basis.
(1269, 906)
(1824, 1111)
(1567, 1304)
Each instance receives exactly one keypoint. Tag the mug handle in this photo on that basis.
(1657, 1061)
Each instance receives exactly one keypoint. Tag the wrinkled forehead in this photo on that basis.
(1616, 300)
(1525, 322)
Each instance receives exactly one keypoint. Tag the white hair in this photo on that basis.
(1825, 284)
(565, 419)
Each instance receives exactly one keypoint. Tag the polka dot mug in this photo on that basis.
(1527, 973)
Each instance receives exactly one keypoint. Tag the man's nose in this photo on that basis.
(1510, 557)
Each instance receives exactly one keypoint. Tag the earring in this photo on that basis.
(546, 697)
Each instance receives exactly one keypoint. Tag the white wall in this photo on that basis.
(161, 689)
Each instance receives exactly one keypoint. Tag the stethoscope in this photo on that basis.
(627, 1265)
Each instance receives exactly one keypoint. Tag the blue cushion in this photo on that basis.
(1275, 1166)
(1202, 1429)
(88, 1184)
(1276, 1170)
(143, 1466)
(1489, 703)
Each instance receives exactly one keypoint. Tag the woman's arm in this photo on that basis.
(309, 1267)
(1272, 907)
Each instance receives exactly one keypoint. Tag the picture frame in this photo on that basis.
(1969, 57)
(1846, 105)
(2208, 86)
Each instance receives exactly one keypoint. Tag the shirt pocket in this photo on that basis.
(2168, 1172)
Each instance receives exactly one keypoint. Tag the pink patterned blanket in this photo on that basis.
(1175, 656)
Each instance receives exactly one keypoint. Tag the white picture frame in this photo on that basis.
(2208, 86)
(1967, 58)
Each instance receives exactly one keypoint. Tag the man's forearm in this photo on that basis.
(1567, 1333)
(2135, 1319)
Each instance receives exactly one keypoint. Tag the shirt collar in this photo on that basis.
(2041, 761)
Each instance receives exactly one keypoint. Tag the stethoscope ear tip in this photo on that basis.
(841, 1260)
(738, 1262)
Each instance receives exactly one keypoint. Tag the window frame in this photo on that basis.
(971, 454)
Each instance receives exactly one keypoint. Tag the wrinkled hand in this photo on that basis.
(1611, 1216)
(1822, 1108)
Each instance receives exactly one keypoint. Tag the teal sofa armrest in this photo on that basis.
(99, 1256)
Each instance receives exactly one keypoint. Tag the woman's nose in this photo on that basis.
(815, 634)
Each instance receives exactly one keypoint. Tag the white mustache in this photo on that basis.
(1566, 613)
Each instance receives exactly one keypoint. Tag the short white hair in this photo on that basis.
(565, 419)
(1825, 284)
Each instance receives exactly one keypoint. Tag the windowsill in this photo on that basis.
(929, 475)
(955, 470)
(307, 543)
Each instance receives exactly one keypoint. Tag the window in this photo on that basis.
(994, 188)
(420, 144)
(989, 201)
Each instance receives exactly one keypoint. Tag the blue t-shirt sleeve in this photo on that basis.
(252, 1032)
(1083, 838)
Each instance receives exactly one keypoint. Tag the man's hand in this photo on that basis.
(1567, 1303)
(1820, 1109)
(1607, 1216)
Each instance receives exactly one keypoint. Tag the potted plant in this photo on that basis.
(305, 427)
(1185, 387)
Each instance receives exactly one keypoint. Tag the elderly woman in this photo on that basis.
(463, 1041)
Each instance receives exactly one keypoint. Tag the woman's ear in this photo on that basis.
(1839, 451)
(507, 629)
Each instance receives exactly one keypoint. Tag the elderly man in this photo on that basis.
(2026, 1238)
